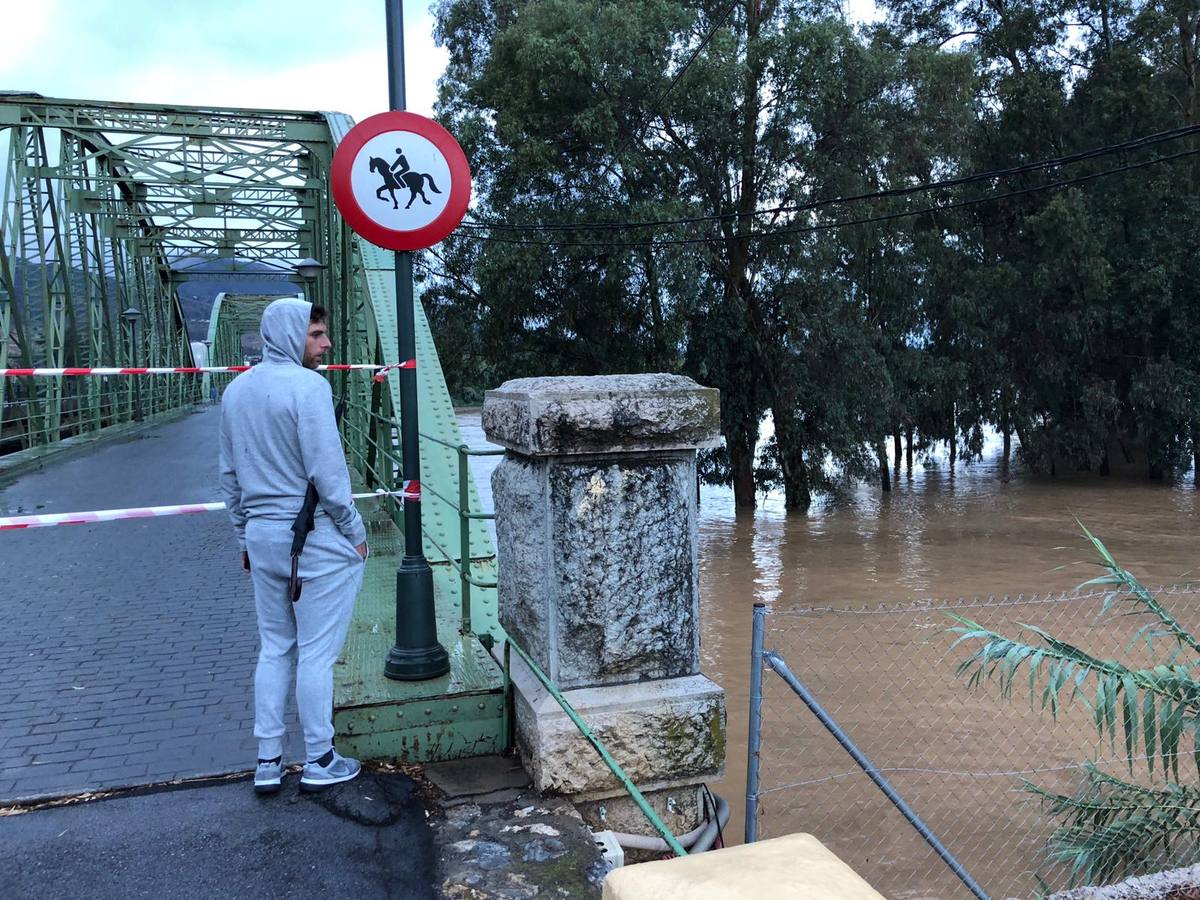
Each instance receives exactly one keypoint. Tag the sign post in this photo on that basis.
(402, 182)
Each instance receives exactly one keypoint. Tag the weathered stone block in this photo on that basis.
(599, 584)
(600, 579)
(662, 733)
(680, 808)
(602, 414)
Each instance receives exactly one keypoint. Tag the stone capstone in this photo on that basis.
(599, 566)
(602, 414)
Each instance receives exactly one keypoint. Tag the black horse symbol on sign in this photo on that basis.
(398, 175)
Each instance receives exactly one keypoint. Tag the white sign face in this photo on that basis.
(400, 180)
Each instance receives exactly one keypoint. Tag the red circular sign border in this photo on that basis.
(362, 224)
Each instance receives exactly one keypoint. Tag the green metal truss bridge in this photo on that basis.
(109, 209)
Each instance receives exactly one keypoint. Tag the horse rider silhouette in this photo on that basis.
(398, 175)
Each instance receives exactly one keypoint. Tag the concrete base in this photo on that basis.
(797, 865)
(664, 734)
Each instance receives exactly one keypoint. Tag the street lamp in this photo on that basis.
(131, 316)
(309, 269)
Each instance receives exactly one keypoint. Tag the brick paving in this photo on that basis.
(126, 648)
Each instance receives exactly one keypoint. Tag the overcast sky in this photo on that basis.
(262, 54)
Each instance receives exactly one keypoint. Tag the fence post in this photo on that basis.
(755, 736)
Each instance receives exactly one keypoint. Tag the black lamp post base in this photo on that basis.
(417, 655)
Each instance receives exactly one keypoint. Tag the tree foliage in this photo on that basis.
(1061, 314)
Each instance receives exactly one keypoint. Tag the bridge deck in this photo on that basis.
(457, 715)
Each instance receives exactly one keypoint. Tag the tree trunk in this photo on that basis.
(908, 452)
(896, 451)
(1006, 431)
(885, 480)
(797, 492)
(741, 464)
(953, 437)
(1154, 470)
(1105, 470)
(1196, 455)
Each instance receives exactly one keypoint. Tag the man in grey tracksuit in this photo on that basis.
(278, 433)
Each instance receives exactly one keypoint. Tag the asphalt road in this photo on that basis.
(365, 839)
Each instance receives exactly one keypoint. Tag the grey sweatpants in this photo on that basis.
(309, 633)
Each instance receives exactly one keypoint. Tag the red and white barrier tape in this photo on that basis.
(410, 491)
(380, 371)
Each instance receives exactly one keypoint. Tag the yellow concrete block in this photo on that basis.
(797, 866)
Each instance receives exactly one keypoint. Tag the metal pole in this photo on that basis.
(464, 535)
(137, 379)
(776, 662)
(416, 654)
(613, 765)
(755, 740)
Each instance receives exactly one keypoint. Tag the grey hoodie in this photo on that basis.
(278, 433)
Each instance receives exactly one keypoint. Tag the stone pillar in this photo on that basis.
(598, 581)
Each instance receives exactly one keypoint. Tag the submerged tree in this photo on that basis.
(1112, 827)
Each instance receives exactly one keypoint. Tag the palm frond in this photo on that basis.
(1111, 829)
(1146, 708)
(1136, 593)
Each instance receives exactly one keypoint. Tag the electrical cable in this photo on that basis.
(826, 226)
(992, 174)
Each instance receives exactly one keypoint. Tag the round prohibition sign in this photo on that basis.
(401, 181)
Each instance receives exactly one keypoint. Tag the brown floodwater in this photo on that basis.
(937, 534)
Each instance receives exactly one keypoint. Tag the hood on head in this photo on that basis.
(285, 329)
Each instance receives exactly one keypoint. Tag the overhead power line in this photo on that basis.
(843, 223)
(989, 175)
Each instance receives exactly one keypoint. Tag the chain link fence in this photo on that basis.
(962, 756)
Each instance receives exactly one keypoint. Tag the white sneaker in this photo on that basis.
(268, 777)
(317, 777)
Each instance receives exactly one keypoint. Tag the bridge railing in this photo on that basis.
(85, 404)
(462, 508)
(374, 452)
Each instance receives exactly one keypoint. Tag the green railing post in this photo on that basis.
(506, 723)
(464, 535)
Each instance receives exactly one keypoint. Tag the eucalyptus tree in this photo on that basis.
(733, 117)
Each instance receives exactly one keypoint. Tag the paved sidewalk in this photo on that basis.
(365, 839)
(128, 648)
